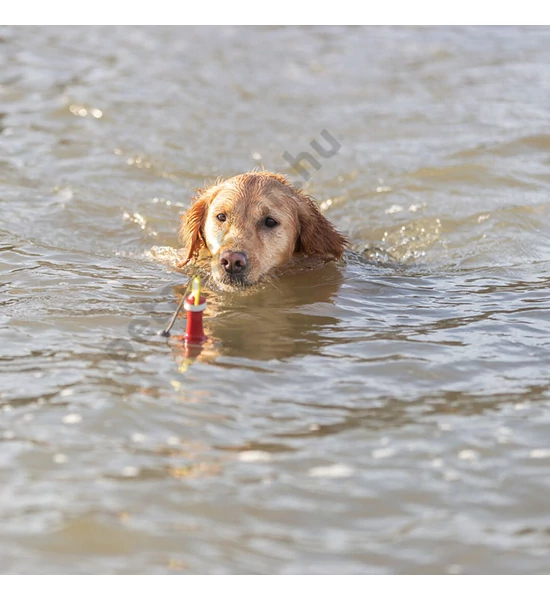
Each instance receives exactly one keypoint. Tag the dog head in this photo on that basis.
(252, 224)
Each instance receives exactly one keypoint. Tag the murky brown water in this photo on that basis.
(386, 415)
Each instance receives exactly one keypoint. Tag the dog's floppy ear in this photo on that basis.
(317, 235)
(191, 235)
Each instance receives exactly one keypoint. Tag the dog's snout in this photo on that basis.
(233, 262)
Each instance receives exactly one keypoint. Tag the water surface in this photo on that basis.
(387, 414)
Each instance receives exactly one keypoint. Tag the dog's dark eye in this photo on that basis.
(221, 217)
(269, 222)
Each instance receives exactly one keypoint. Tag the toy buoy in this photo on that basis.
(194, 304)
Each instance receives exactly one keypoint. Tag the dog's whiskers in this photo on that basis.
(269, 280)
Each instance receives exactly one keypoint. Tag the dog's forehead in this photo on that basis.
(254, 198)
(253, 184)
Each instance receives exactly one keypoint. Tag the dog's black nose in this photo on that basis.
(233, 262)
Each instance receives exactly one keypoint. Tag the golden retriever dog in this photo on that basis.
(249, 226)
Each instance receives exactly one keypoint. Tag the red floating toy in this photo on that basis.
(194, 304)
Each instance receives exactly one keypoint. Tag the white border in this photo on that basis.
(282, 12)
